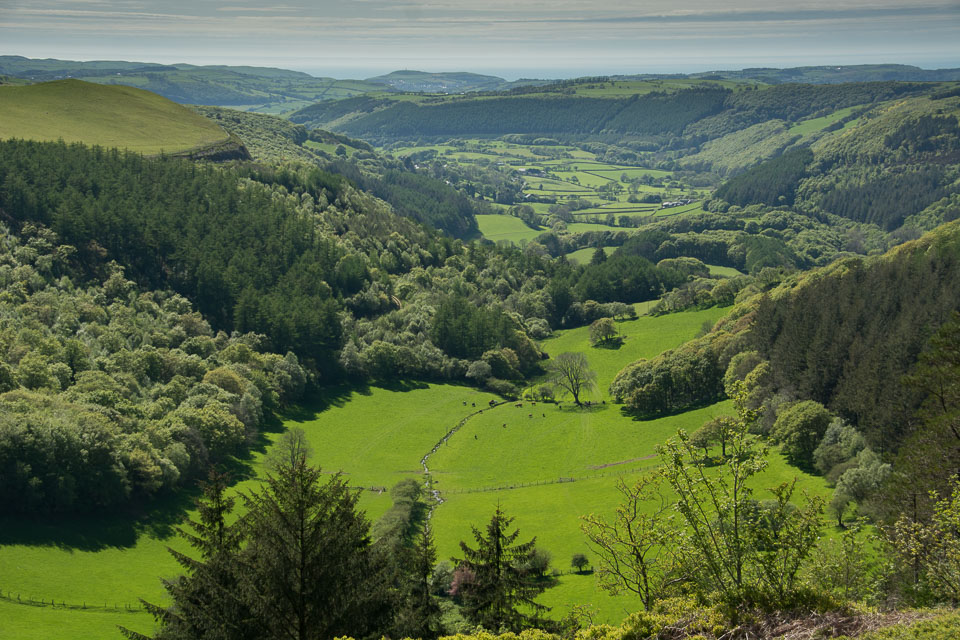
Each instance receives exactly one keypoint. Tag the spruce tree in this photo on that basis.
(205, 601)
(419, 614)
(502, 585)
(307, 568)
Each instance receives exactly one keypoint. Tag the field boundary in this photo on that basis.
(428, 483)
(124, 607)
(538, 483)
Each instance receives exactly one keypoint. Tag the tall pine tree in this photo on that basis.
(419, 613)
(307, 569)
(502, 584)
(206, 600)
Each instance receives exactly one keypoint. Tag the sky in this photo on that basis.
(509, 38)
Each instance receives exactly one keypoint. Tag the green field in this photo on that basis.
(644, 337)
(377, 436)
(109, 116)
(724, 272)
(496, 228)
(627, 88)
(583, 256)
(557, 442)
(806, 127)
(24, 622)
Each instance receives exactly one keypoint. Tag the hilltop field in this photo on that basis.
(108, 116)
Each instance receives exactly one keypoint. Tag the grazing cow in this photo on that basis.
(473, 404)
(544, 415)
(504, 425)
(529, 415)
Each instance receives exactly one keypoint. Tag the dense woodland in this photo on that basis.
(301, 258)
(111, 394)
(846, 338)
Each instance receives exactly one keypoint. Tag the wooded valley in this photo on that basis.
(607, 358)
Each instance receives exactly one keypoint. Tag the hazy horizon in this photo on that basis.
(508, 38)
(507, 74)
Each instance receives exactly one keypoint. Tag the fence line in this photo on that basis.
(537, 483)
(17, 598)
(428, 483)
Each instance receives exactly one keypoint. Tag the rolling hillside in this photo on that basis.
(109, 116)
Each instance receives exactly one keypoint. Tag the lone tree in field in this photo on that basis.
(502, 584)
(572, 373)
(603, 330)
(579, 561)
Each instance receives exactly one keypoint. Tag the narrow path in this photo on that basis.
(428, 483)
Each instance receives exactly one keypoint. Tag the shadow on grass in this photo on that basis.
(638, 416)
(95, 532)
(593, 407)
(338, 396)
(159, 516)
(610, 345)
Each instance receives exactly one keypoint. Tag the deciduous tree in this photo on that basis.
(603, 330)
(637, 550)
(572, 373)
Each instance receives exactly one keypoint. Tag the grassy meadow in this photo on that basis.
(109, 116)
(583, 256)
(377, 436)
(724, 272)
(496, 227)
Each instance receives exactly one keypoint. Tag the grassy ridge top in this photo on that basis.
(110, 116)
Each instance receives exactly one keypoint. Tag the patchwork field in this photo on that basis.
(543, 464)
(555, 174)
(583, 256)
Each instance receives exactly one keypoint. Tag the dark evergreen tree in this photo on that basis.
(501, 585)
(307, 569)
(419, 613)
(206, 600)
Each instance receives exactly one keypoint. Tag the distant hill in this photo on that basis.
(262, 89)
(282, 91)
(651, 113)
(832, 74)
(449, 82)
(110, 116)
